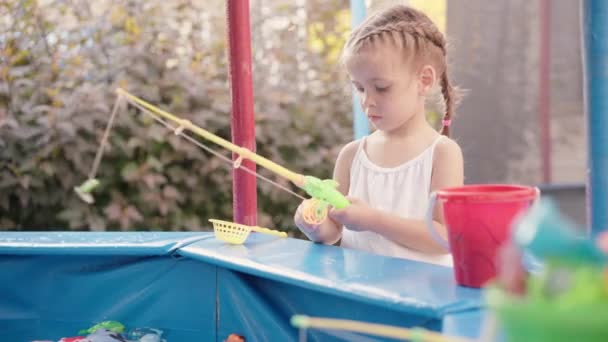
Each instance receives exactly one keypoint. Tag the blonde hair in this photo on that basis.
(417, 35)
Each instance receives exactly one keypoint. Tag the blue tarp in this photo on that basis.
(197, 288)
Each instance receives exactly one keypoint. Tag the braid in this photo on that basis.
(417, 30)
(399, 19)
(448, 96)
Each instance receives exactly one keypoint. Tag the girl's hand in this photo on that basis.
(304, 226)
(355, 217)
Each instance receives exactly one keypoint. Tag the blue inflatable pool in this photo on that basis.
(196, 288)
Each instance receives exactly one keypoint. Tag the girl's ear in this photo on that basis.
(426, 80)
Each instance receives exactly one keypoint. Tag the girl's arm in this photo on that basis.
(329, 231)
(412, 233)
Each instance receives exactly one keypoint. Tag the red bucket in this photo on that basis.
(478, 220)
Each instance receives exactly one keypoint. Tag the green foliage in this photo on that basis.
(61, 62)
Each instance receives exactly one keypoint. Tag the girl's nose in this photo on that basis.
(367, 100)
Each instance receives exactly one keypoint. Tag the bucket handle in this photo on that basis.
(431, 226)
(536, 199)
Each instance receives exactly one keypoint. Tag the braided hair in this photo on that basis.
(414, 32)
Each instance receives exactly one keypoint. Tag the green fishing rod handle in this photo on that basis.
(325, 190)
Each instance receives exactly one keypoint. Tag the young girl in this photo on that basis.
(394, 59)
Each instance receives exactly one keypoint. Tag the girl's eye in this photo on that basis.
(382, 89)
(359, 89)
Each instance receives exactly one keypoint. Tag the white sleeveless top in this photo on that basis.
(402, 190)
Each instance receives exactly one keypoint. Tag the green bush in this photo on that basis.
(61, 65)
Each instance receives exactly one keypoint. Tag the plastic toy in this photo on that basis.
(236, 234)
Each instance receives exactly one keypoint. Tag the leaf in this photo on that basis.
(70, 215)
(133, 214)
(113, 212)
(170, 192)
(130, 172)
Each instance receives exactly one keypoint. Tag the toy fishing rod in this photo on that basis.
(323, 192)
(415, 334)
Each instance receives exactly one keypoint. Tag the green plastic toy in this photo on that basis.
(113, 326)
(568, 300)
